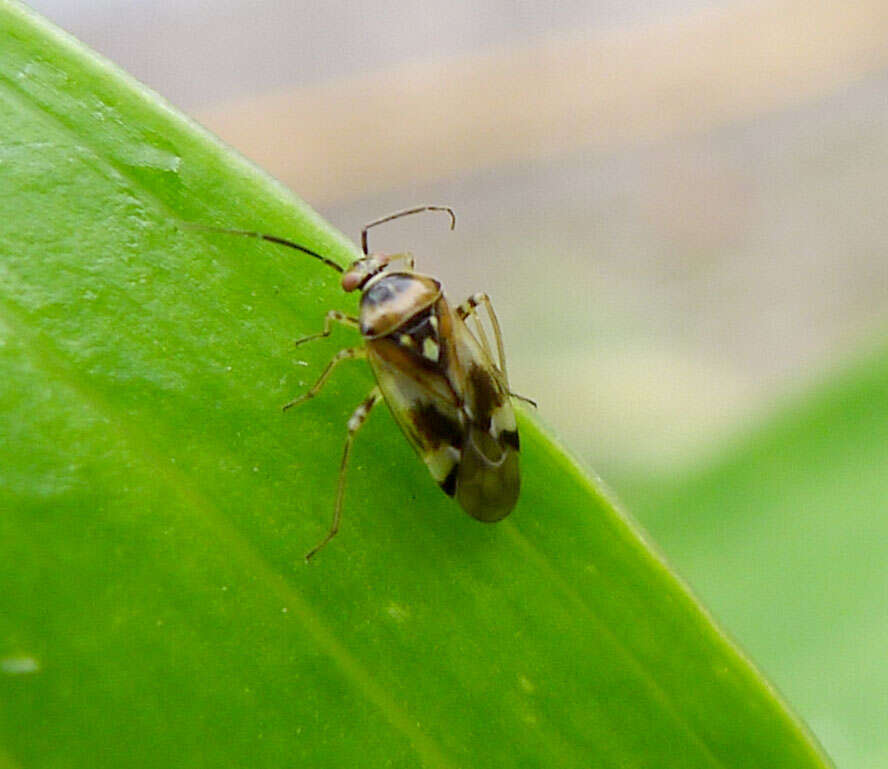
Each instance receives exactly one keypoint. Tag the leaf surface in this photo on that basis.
(155, 504)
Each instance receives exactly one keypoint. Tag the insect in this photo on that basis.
(439, 380)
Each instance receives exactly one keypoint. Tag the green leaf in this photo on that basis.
(155, 504)
(785, 534)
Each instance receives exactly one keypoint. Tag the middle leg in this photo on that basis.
(339, 317)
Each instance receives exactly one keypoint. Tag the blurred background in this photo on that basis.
(678, 208)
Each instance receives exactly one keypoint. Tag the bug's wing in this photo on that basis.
(455, 410)
(488, 479)
(424, 406)
(485, 393)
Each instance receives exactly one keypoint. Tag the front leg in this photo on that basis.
(405, 257)
(350, 353)
(333, 315)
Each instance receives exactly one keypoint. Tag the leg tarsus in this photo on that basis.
(524, 398)
(354, 424)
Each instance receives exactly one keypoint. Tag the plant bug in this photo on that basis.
(439, 380)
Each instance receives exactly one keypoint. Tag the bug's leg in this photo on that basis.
(524, 398)
(406, 257)
(345, 320)
(354, 424)
(470, 307)
(350, 353)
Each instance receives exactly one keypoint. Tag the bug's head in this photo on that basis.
(363, 269)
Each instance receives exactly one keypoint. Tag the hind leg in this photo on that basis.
(470, 308)
(354, 424)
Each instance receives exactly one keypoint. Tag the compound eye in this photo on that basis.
(351, 280)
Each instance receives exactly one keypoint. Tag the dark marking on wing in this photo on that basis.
(448, 485)
(510, 438)
(436, 428)
(487, 397)
(419, 326)
(390, 358)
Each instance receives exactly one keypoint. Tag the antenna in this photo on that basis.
(399, 214)
(264, 236)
